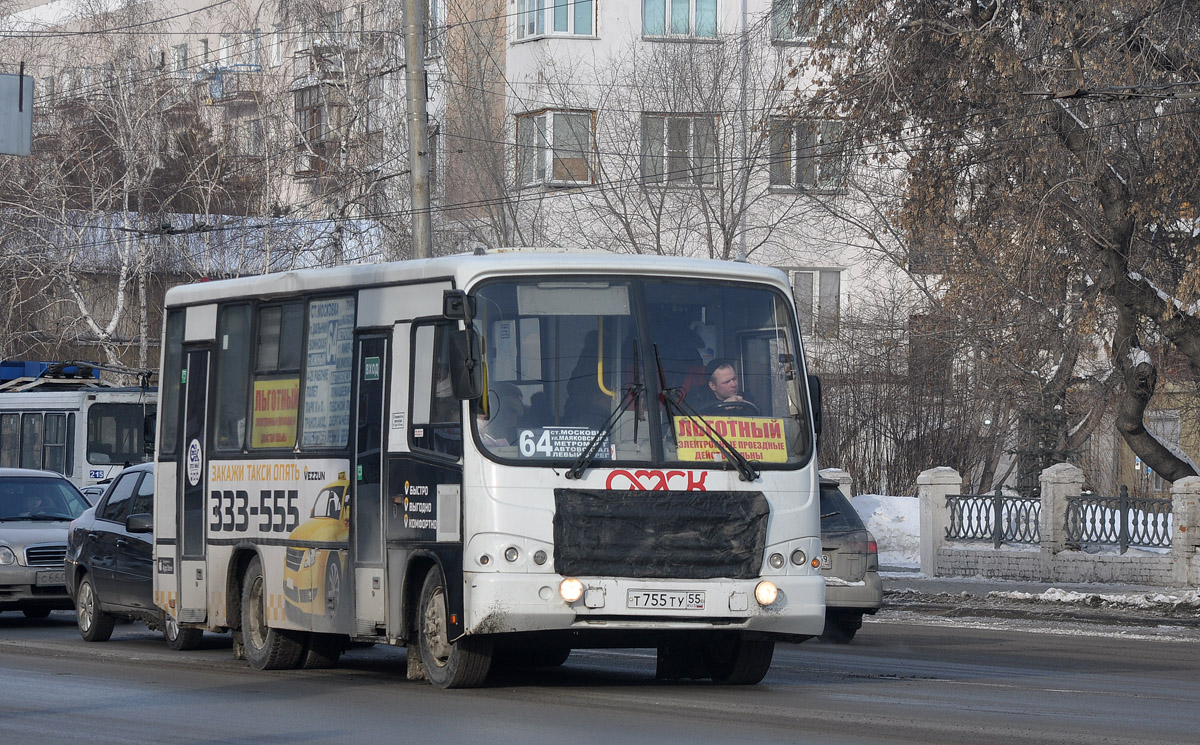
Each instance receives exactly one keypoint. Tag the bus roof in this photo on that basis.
(465, 270)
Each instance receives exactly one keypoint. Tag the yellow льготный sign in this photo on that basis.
(276, 405)
(755, 438)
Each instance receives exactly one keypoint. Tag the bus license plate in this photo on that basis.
(665, 599)
(51, 578)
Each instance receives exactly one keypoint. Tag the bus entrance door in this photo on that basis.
(366, 513)
(193, 582)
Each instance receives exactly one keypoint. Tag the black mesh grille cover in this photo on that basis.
(659, 534)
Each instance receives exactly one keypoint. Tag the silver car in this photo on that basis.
(36, 508)
(850, 565)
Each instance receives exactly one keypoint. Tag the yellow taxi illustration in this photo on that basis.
(312, 576)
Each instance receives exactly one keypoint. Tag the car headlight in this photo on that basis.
(7, 557)
(310, 558)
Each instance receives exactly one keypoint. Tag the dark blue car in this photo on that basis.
(110, 561)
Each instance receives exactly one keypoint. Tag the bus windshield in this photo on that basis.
(644, 371)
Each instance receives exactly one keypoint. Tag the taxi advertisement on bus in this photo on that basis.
(303, 503)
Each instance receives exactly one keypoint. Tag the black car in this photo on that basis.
(850, 565)
(110, 558)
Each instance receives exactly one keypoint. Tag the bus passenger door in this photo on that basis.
(366, 534)
(193, 583)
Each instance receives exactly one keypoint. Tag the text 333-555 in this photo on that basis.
(274, 511)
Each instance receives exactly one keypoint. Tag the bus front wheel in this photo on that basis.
(460, 664)
(266, 648)
(734, 660)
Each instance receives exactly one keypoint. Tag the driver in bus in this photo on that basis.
(723, 385)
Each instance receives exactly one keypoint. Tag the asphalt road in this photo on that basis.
(908, 678)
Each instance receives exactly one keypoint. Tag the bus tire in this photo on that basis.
(179, 638)
(266, 648)
(322, 651)
(461, 664)
(735, 660)
(94, 624)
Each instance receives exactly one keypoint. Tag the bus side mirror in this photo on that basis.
(457, 306)
(466, 365)
(814, 400)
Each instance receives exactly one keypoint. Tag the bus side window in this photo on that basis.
(437, 414)
(232, 376)
(10, 440)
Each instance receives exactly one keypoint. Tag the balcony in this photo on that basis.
(235, 85)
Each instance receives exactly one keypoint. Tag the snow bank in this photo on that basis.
(1189, 599)
(896, 524)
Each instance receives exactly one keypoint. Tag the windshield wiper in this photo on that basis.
(592, 449)
(40, 517)
(674, 397)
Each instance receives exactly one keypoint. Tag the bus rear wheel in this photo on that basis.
(266, 648)
(460, 664)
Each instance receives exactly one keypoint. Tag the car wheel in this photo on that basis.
(265, 648)
(36, 612)
(178, 638)
(735, 660)
(840, 628)
(94, 624)
(461, 664)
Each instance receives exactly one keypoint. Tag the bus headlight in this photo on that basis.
(570, 589)
(775, 560)
(766, 592)
(799, 557)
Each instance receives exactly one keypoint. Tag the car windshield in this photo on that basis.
(642, 371)
(37, 498)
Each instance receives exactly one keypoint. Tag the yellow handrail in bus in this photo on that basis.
(600, 359)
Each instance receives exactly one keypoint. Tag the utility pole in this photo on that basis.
(418, 126)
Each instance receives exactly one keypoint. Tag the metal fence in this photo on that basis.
(1124, 521)
(997, 517)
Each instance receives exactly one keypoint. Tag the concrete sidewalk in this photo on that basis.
(900, 580)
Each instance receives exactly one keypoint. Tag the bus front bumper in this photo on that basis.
(498, 603)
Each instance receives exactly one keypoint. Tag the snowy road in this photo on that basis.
(909, 677)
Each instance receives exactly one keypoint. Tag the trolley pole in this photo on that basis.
(418, 126)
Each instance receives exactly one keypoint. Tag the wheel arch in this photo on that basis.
(420, 563)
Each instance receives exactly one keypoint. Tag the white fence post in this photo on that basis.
(1185, 531)
(932, 487)
(1058, 482)
(842, 477)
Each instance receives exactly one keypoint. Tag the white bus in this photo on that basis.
(491, 459)
(57, 418)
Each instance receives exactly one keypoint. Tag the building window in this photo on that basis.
(807, 154)
(179, 58)
(559, 17)
(695, 18)
(554, 147)
(226, 53)
(679, 149)
(818, 300)
(434, 22)
(796, 20)
(204, 58)
(276, 53)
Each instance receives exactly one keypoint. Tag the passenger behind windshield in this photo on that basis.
(506, 406)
